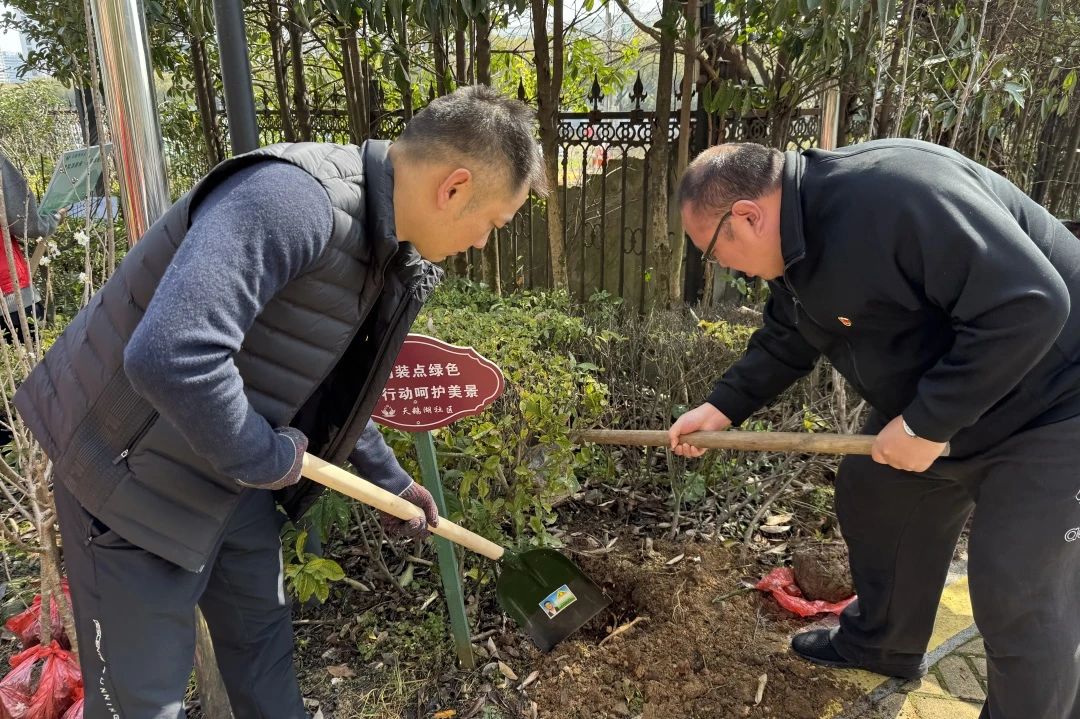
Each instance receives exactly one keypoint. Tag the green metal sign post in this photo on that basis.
(448, 566)
(432, 385)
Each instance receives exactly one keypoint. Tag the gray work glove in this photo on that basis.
(418, 527)
(292, 475)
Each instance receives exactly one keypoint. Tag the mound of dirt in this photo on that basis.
(689, 655)
(822, 571)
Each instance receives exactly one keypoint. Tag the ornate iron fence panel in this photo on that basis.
(327, 125)
(604, 166)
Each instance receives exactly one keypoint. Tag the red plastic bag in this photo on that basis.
(13, 703)
(15, 690)
(781, 582)
(27, 625)
(75, 711)
(58, 687)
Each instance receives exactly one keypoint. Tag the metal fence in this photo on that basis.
(604, 166)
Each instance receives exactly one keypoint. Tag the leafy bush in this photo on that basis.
(659, 365)
(75, 265)
(308, 574)
(731, 335)
(507, 465)
(36, 127)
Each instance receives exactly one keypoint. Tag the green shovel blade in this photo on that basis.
(547, 595)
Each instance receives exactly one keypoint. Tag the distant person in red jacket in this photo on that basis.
(22, 224)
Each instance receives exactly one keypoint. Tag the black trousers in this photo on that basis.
(1023, 564)
(135, 617)
(35, 313)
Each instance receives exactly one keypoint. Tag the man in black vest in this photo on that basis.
(943, 295)
(258, 318)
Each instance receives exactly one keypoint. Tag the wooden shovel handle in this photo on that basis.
(364, 491)
(735, 439)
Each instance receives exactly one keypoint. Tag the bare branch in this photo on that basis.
(656, 36)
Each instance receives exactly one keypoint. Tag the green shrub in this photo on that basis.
(507, 465)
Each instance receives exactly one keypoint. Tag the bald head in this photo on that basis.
(724, 174)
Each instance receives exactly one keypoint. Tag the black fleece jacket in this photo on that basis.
(936, 287)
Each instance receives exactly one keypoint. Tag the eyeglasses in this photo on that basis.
(707, 256)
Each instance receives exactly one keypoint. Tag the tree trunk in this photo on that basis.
(843, 122)
(194, 33)
(490, 254)
(1070, 206)
(213, 699)
(442, 62)
(459, 57)
(490, 261)
(1044, 164)
(901, 105)
(682, 155)
(354, 84)
(404, 83)
(204, 100)
(1024, 158)
(51, 581)
(658, 162)
(373, 102)
(483, 47)
(969, 85)
(549, 75)
(277, 56)
(106, 173)
(1057, 190)
(781, 107)
(852, 75)
(296, 58)
(888, 96)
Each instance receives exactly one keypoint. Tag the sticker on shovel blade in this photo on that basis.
(557, 601)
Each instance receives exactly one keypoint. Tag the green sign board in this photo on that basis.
(76, 176)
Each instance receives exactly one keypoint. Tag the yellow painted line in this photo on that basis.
(924, 707)
(866, 681)
(954, 615)
(908, 712)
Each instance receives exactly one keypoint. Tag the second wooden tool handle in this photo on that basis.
(736, 439)
(362, 490)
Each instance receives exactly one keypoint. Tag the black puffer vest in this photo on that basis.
(316, 358)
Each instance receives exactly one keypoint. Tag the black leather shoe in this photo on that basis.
(816, 646)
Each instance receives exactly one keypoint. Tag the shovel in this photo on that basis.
(817, 443)
(544, 592)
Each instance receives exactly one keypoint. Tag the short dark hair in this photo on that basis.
(722, 175)
(477, 123)
(1072, 226)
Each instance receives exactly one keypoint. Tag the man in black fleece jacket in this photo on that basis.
(943, 295)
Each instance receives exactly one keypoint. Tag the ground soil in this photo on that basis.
(702, 646)
(689, 655)
(700, 650)
(822, 571)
